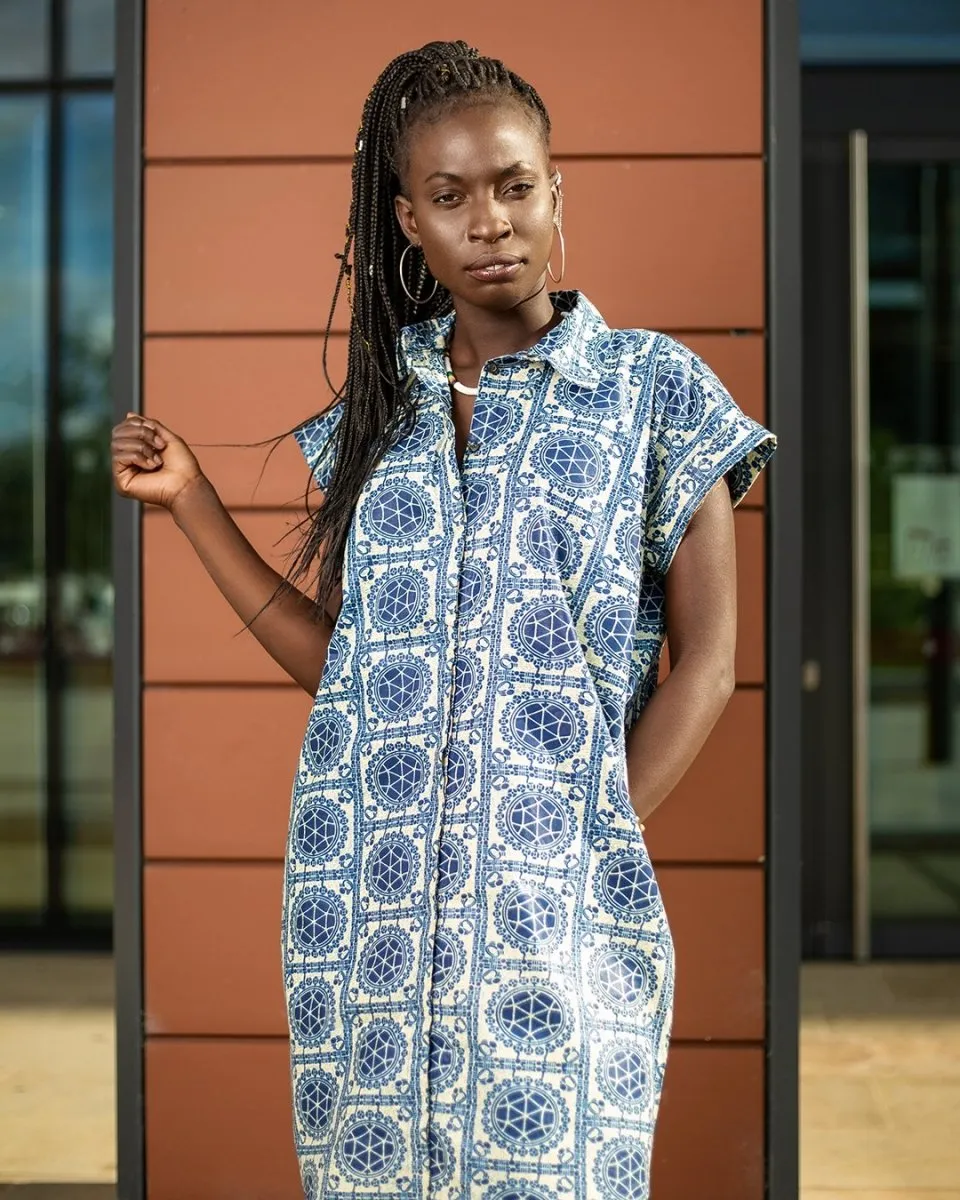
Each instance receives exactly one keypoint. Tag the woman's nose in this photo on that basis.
(489, 223)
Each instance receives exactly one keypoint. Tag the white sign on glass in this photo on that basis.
(926, 526)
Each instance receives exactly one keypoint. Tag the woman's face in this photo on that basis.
(478, 198)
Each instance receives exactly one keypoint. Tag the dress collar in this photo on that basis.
(566, 347)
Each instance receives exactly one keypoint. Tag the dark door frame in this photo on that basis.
(782, 141)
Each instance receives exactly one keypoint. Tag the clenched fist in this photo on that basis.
(150, 463)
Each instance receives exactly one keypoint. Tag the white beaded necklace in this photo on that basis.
(454, 381)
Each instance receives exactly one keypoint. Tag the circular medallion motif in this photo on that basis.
(396, 514)
(467, 678)
(325, 740)
(398, 775)
(624, 1075)
(453, 863)
(613, 626)
(479, 495)
(319, 832)
(621, 1169)
(651, 604)
(311, 1012)
(517, 1191)
(380, 1052)
(449, 959)
(399, 600)
(398, 687)
(318, 918)
(630, 541)
(672, 393)
(572, 461)
(440, 1157)
(548, 542)
(536, 822)
(530, 1017)
(525, 1118)
(624, 978)
(334, 660)
(460, 771)
(543, 630)
(315, 1094)
(493, 422)
(529, 918)
(626, 885)
(603, 397)
(391, 866)
(446, 1059)
(474, 588)
(544, 728)
(386, 961)
(370, 1147)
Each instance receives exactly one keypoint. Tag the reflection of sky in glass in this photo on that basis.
(23, 232)
(892, 31)
(23, 39)
(89, 37)
(88, 218)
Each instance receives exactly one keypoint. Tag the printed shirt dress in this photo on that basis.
(478, 966)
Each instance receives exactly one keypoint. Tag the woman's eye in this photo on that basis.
(445, 198)
(520, 186)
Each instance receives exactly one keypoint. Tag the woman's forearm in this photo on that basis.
(290, 628)
(672, 729)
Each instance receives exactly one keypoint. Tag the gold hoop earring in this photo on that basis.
(563, 258)
(403, 283)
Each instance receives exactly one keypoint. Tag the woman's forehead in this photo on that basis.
(484, 138)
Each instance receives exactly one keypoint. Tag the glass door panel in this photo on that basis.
(913, 684)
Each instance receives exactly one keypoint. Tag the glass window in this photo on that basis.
(23, 39)
(24, 129)
(90, 37)
(879, 31)
(85, 583)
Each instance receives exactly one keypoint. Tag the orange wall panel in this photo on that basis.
(680, 245)
(679, 76)
(716, 915)
(191, 634)
(218, 1120)
(710, 1142)
(218, 923)
(242, 390)
(218, 766)
(716, 812)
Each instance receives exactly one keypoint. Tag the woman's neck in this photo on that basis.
(479, 334)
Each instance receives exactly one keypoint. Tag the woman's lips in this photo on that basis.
(495, 270)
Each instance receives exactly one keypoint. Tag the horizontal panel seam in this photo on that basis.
(311, 333)
(343, 160)
(733, 864)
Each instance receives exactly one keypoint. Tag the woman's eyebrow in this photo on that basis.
(451, 177)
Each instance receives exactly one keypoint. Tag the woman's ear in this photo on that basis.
(555, 186)
(408, 222)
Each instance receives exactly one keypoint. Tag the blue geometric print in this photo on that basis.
(477, 961)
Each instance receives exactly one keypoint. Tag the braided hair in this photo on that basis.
(421, 85)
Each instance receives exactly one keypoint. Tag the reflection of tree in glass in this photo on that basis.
(84, 511)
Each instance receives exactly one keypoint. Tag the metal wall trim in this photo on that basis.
(127, 761)
(784, 559)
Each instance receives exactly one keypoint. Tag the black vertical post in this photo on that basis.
(54, 522)
(128, 843)
(784, 558)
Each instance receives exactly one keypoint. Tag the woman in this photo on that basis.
(521, 503)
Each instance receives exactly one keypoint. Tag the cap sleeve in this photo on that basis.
(698, 436)
(318, 445)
